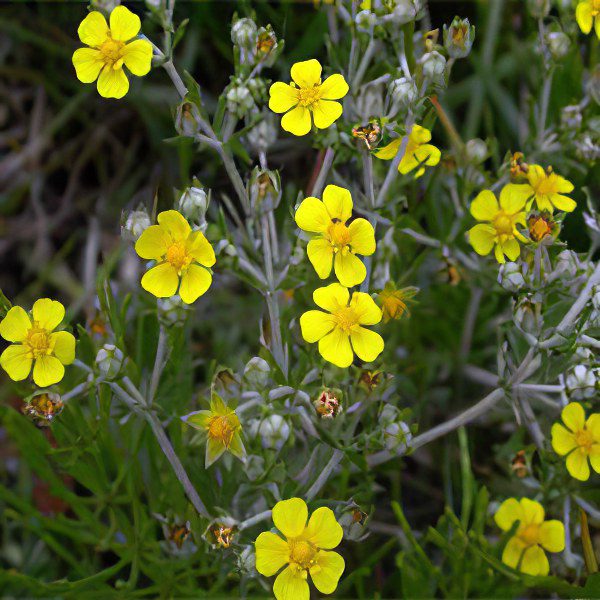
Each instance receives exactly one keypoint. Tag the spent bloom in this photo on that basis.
(36, 344)
(525, 550)
(340, 331)
(547, 190)
(221, 427)
(111, 47)
(307, 95)
(499, 227)
(587, 14)
(335, 244)
(418, 154)
(183, 258)
(394, 302)
(305, 549)
(578, 439)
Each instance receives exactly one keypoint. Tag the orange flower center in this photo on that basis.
(530, 534)
(339, 235)
(346, 318)
(584, 439)
(38, 341)
(221, 428)
(302, 553)
(308, 96)
(178, 256)
(112, 51)
(503, 224)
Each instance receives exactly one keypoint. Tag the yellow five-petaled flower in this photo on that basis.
(546, 189)
(335, 243)
(587, 14)
(419, 153)
(183, 258)
(305, 550)
(307, 96)
(499, 227)
(36, 343)
(578, 439)
(340, 330)
(110, 49)
(525, 550)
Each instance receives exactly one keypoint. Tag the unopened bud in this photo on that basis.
(476, 150)
(581, 383)
(106, 6)
(365, 21)
(109, 360)
(193, 205)
(558, 44)
(402, 11)
(244, 33)
(434, 67)
(187, 119)
(397, 437)
(274, 431)
(257, 371)
(510, 277)
(404, 91)
(528, 315)
(459, 37)
(136, 222)
(239, 100)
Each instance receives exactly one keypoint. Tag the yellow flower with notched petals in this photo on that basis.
(499, 230)
(525, 550)
(35, 343)
(579, 439)
(183, 258)
(419, 153)
(307, 96)
(305, 550)
(222, 428)
(340, 330)
(587, 14)
(335, 243)
(110, 49)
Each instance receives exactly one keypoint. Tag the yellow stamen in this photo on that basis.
(112, 52)
(308, 96)
(584, 439)
(339, 235)
(346, 318)
(530, 534)
(222, 429)
(503, 224)
(302, 553)
(178, 256)
(38, 341)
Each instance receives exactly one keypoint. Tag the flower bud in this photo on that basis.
(274, 431)
(109, 360)
(567, 265)
(246, 561)
(581, 382)
(239, 99)
(397, 437)
(136, 222)
(510, 277)
(264, 187)
(263, 134)
(434, 67)
(43, 407)
(459, 37)
(558, 44)
(402, 11)
(193, 205)
(328, 404)
(528, 315)
(353, 521)
(186, 119)
(257, 371)
(476, 150)
(244, 33)
(365, 21)
(403, 91)
(541, 226)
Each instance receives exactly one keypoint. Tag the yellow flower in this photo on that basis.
(499, 230)
(418, 152)
(525, 550)
(337, 329)
(221, 427)
(306, 95)
(180, 252)
(304, 551)
(334, 242)
(580, 440)
(394, 301)
(36, 343)
(587, 14)
(110, 49)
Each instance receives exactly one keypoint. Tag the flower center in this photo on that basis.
(111, 52)
(302, 553)
(530, 534)
(346, 318)
(308, 96)
(595, 8)
(221, 428)
(503, 224)
(178, 257)
(38, 340)
(584, 439)
(547, 185)
(339, 235)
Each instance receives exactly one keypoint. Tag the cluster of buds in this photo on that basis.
(328, 405)
(253, 44)
(459, 38)
(43, 407)
(240, 100)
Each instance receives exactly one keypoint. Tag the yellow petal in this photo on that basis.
(338, 202)
(335, 348)
(428, 155)
(563, 186)
(485, 206)
(362, 237)
(408, 163)
(93, 30)
(563, 441)
(87, 63)
(323, 530)
(597, 26)
(153, 243)
(573, 416)
(420, 135)
(320, 254)
(509, 512)
(194, 282)
(137, 56)
(563, 202)
(199, 247)
(577, 465)
(533, 512)
(312, 216)
(593, 425)
(162, 280)
(15, 325)
(511, 555)
(48, 314)
(124, 24)
(290, 516)
(513, 197)
(271, 553)
(334, 88)
(16, 362)
(543, 203)
(595, 457)
(64, 346)
(365, 308)
(306, 73)
(175, 224)
(236, 446)
(198, 419)
(331, 297)
(349, 269)
(499, 254)
(511, 248)
(482, 238)
(388, 152)
(297, 121)
(552, 536)
(290, 585)
(583, 14)
(535, 561)
(327, 572)
(367, 344)
(112, 83)
(214, 450)
(282, 97)
(47, 370)
(326, 112)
